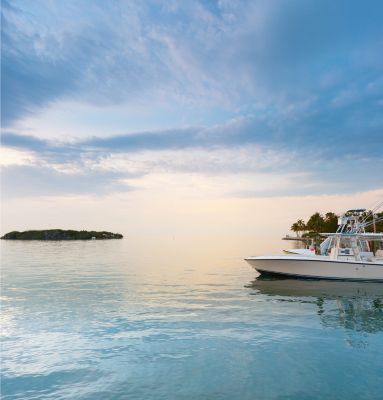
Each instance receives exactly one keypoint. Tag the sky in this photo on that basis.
(204, 117)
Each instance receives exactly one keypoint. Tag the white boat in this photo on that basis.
(346, 256)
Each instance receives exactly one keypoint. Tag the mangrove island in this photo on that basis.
(60, 234)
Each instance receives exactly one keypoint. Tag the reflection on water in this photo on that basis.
(354, 306)
(177, 319)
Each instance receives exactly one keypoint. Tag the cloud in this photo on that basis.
(301, 81)
(328, 164)
(199, 54)
(36, 181)
(37, 66)
(109, 55)
(323, 130)
(51, 152)
(24, 142)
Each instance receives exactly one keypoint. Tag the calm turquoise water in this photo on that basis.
(146, 318)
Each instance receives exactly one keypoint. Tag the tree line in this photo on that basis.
(60, 234)
(328, 222)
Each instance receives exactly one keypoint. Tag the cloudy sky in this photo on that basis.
(128, 112)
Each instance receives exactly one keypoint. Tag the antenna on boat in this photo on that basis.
(372, 212)
(373, 222)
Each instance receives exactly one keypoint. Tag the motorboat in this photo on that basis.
(346, 255)
(342, 263)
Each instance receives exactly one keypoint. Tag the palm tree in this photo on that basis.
(301, 226)
(295, 228)
(298, 227)
(330, 222)
(316, 223)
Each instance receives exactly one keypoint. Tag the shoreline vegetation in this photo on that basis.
(60, 234)
(328, 222)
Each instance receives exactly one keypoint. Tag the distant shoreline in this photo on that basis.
(60, 234)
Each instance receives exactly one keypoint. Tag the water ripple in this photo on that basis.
(95, 321)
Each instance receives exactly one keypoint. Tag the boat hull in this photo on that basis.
(318, 267)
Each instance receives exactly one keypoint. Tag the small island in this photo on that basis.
(60, 234)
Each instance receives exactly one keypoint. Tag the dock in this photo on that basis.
(301, 239)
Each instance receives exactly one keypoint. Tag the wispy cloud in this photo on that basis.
(27, 180)
(302, 82)
(320, 165)
(227, 54)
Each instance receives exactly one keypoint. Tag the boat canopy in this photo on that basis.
(356, 210)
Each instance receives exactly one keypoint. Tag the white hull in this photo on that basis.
(317, 267)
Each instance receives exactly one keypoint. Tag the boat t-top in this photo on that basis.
(346, 254)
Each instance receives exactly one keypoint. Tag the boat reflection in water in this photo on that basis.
(356, 307)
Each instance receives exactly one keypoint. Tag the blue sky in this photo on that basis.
(275, 98)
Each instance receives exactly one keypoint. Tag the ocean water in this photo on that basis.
(170, 318)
